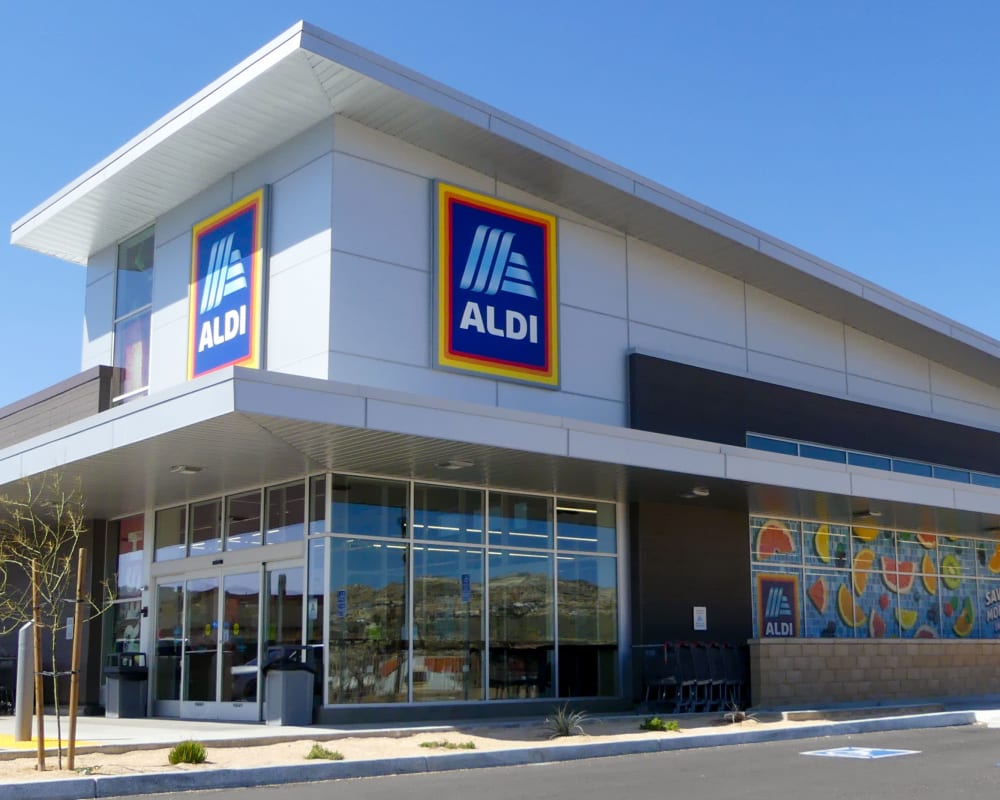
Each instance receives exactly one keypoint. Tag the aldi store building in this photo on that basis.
(470, 416)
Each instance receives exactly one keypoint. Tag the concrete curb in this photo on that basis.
(155, 783)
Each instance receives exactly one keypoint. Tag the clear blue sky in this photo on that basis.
(865, 133)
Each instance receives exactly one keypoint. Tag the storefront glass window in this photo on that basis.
(588, 626)
(447, 622)
(369, 641)
(171, 533)
(206, 528)
(286, 513)
(447, 514)
(520, 520)
(367, 507)
(243, 521)
(586, 526)
(522, 624)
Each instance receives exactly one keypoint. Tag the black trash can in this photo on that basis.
(128, 679)
(288, 691)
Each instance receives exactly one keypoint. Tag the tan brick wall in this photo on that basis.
(804, 673)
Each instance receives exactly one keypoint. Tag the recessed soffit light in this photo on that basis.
(185, 469)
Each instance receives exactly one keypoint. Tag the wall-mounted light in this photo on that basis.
(455, 463)
(696, 491)
(872, 513)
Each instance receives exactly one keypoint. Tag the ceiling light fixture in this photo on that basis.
(454, 463)
(185, 469)
(873, 513)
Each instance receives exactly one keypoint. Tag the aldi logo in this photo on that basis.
(777, 605)
(496, 288)
(227, 267)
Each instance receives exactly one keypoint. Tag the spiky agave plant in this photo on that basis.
(565, 722)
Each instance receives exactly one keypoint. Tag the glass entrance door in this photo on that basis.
(208, 647)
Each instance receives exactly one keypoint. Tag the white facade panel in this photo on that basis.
(669, 292)
(285, 160)
(947, 382)
(780, 328)
(298, 318)
(179, 220)
(357, 140)
(687, 349)
(381, 213)
(381, 311)
(168, 352)
(98, 311)
(592, 269)
(514, 195)
(300, 227)
(796, 374)
(890, 395)
(874, 358)
(171, 278)
(367, 371)
(593, 348)
(543, 401)
(952, 410)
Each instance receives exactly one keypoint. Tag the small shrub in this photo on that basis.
(318, 751)
(657, 724)
(450, 745)
(187, 752)
(564, 722)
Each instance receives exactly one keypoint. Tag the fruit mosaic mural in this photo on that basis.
(868, 582)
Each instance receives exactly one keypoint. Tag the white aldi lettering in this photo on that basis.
(234, 323)
(516, 325)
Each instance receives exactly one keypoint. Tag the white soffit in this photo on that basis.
(305, 75)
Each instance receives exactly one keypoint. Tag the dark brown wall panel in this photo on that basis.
(679, 399)
(685, 556)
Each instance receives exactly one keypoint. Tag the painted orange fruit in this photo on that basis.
(774, 538)
(994, 565)
(821, 543)
(966, 620)
(852, 616)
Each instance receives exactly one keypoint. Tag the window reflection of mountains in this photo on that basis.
(520, 606)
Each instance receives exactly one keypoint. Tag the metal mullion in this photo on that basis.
(409, 594)
(555, 598)
(485, 677)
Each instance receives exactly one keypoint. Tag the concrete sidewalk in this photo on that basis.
(98, 734)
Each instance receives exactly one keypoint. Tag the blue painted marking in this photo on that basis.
(860, 752)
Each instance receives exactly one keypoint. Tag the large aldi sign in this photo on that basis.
(227, 272)
(778, 605)
(497, 302)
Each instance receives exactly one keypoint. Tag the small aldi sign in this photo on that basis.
(497, 303)
(778, 606)
(227, 273)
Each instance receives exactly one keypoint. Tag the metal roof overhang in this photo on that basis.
(248, 428)
(306, 75)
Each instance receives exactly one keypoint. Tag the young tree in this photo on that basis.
(42, 525)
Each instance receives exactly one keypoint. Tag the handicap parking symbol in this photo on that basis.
(859, 752)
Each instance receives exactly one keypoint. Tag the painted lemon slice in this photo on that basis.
(821, 543)
(773, 539)
(818, 594)
(862, 567)
(866, 534)
(852, 616)
(951, 571)
(907, 617)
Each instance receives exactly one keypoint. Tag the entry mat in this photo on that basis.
(859, 752)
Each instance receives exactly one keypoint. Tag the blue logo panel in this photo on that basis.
(496, 294)
(225, 296)
(777, 605)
